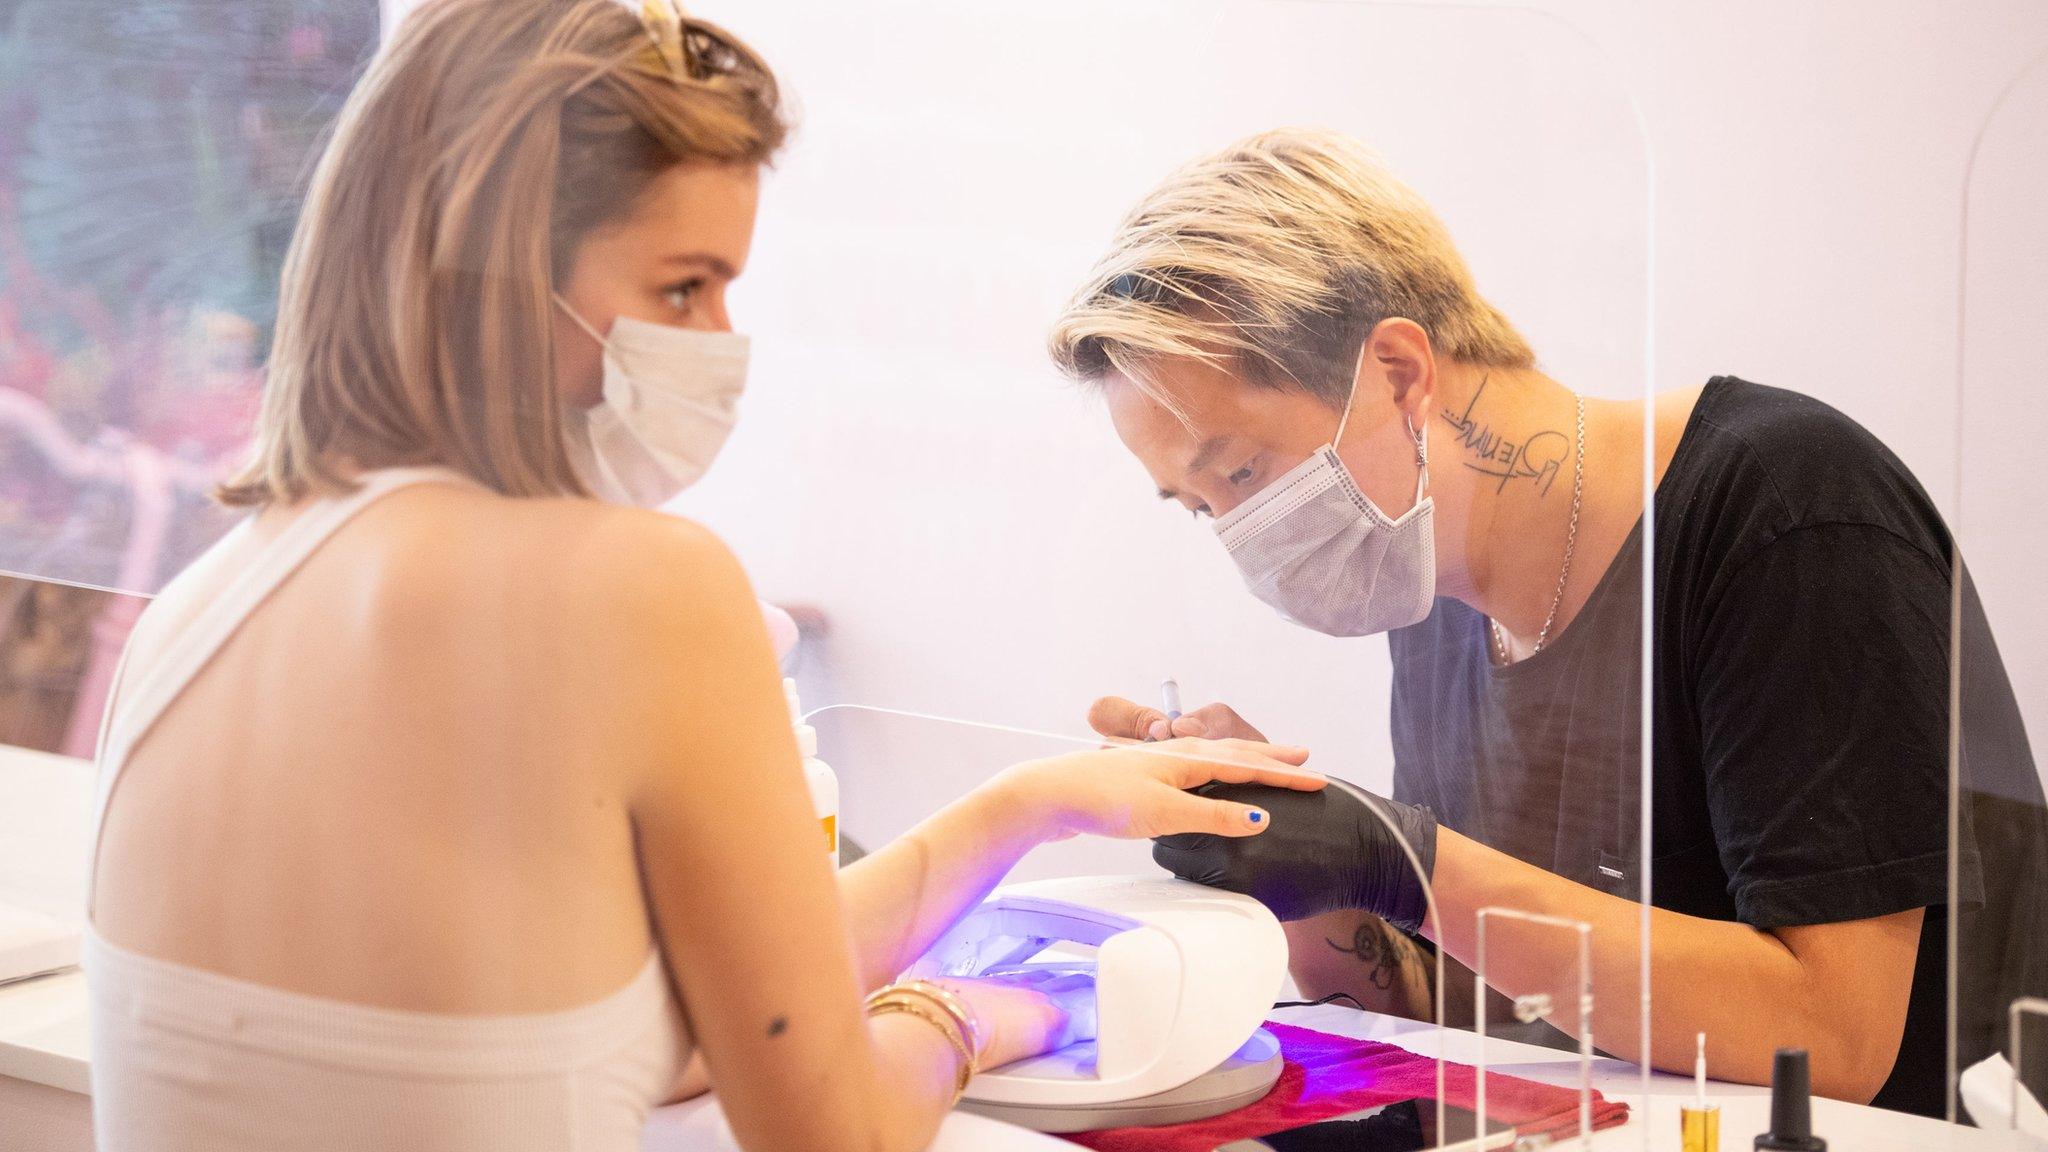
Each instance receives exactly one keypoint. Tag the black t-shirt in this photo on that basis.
(1800, 768)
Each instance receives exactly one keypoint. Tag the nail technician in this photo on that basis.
(451, 800)
(1289, 343)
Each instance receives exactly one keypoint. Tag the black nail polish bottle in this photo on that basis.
(1791, 1106)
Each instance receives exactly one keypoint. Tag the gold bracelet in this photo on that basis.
(892, 999)
(950, 1002)
(945, 1000)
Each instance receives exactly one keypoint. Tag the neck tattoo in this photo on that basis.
(1501, 654)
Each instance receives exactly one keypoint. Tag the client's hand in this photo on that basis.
(1027, 1015)
(1337, 848)
(1138, 791)
(1071, 989)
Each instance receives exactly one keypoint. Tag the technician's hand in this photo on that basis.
(1120, 719)
(1142, 790)
(1324, 851)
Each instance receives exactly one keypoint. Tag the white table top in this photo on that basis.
(43, 1039)
(45, 817)
(45, 808)
(45, 812)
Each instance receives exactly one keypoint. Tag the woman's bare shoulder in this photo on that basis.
(594, 566)
(611, 552)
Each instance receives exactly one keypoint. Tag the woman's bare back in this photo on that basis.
(397, 783)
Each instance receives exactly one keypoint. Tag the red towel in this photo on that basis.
(1327, 1076)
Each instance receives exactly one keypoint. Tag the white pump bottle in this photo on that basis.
(824, 784)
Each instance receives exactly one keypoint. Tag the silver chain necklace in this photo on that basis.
(1571, 540)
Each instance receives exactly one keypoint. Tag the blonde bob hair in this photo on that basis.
(1273, 258)
(487, 139)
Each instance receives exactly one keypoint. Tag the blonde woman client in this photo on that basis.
(450, 802)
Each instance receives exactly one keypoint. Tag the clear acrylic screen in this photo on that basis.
(154, 158)
(982, 544)
(1999, 823)
(961, 526)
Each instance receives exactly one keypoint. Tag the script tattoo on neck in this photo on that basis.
(1539, 458)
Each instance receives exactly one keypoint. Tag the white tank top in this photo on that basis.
(186, 1060)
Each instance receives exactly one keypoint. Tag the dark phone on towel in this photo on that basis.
(1405, 1126)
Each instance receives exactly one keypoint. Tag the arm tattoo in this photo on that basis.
(1380, 948)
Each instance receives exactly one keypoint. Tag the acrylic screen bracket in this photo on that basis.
(1549, 988)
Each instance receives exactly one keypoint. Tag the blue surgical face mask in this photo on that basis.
(1322, 554)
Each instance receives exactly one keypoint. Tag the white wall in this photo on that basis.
(909, 461)
(910, 464)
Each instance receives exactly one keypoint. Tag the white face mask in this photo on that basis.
(671, 397)
(1312, 546)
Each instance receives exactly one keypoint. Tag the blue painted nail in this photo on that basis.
(1256, 816)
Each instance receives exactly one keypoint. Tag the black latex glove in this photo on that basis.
(1322, 852)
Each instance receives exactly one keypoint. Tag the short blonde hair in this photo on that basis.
(1274, 258)
(415, 322)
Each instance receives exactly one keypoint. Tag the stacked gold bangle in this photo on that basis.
(939, 1007)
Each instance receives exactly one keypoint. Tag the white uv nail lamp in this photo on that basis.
(1184, 976)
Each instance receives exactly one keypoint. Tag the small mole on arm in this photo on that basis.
(778, 1026)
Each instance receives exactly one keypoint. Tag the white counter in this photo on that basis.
(1745, 1108)
(45, 810)
(44, 1082)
